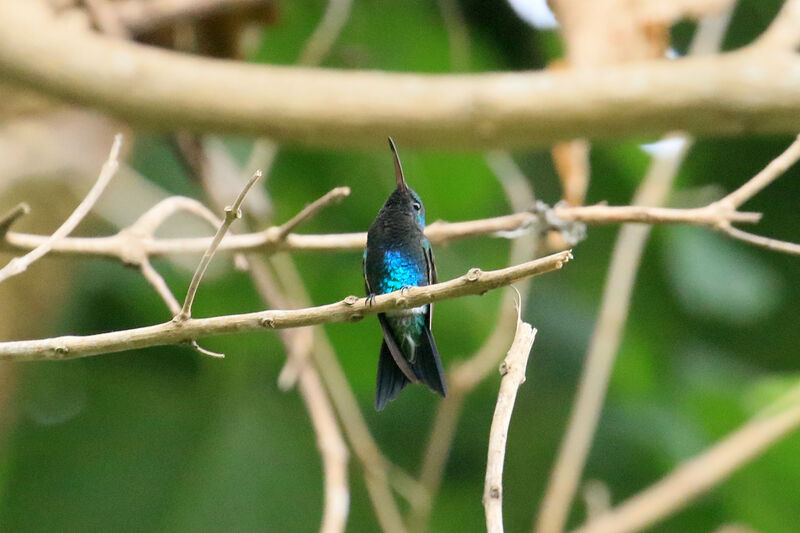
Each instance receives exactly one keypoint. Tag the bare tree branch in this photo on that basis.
(764, 242)
(232, 213)
(20, 264)
(740, 92)
(326, 33)
(699, 474)
(332, 449)
(713, 215)
(513, 372)
(349, 309)
(331, 197)
(775, 169)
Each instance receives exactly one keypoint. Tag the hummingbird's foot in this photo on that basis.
(403, 289)
(370, 299)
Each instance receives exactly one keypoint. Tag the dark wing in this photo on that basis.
(431, 278)
(364, 270)
(394, 350)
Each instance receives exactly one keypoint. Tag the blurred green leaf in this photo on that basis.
(715, 278)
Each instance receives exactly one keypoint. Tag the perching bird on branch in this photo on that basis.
(398, 255)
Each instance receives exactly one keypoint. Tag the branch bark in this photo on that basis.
(123, 246)
(513, 371)
(749, 91)
(349, 309)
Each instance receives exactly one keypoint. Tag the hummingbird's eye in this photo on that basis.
(416, 205)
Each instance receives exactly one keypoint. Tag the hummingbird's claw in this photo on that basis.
(370, 299)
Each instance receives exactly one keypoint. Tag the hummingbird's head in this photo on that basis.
(404, 200)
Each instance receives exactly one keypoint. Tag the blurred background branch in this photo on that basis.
(475, 111)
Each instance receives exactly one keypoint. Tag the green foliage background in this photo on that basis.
(164, 440)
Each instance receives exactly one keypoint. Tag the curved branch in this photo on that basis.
(513, 371)
(122, 246)
(699, 474)
(19, 264)
(742, 92)
(349, 309)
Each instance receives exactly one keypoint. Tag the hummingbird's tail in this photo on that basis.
(391, 379)
(427, 368)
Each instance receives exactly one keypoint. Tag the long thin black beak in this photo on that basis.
(398, 169)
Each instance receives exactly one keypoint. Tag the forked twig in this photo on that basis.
(20, 264)
(351, 309)
(232, 212)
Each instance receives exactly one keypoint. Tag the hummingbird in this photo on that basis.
(398, 256)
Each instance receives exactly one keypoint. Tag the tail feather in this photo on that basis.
(391, 379)
(428, 366)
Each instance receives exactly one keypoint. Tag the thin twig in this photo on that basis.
(513, 372)
(232, 213)
(149, 222)
(765, 242)
(145, 227)
(20, 264)
(331, 197)
(350, 309)
(157, 281)
(326, 33)
(332, 449)
(775, 169)
(699, 474)
(438, 232)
